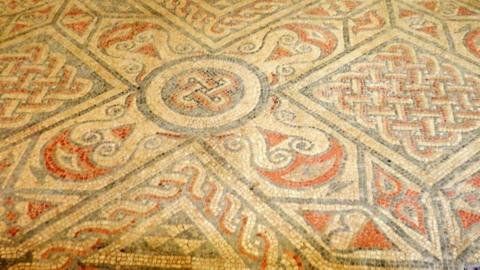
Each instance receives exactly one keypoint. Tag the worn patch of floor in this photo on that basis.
(239, 134)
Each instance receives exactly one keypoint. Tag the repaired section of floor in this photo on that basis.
(239, 134)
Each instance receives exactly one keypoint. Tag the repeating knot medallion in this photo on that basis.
(36, 80)
(203, 94)
(411, 98)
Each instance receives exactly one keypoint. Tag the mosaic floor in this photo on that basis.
(239, 134)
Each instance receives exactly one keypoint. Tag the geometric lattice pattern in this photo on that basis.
(411, 98)
(239, 134)
(35, 81)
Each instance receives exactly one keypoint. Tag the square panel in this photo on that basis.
(43, 75)
(420, 105)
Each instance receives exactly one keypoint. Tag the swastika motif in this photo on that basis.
(203, 92)
(208, 93)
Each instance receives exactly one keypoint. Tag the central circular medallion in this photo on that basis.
(203, 94)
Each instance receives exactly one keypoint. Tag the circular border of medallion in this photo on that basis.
(154, 107)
